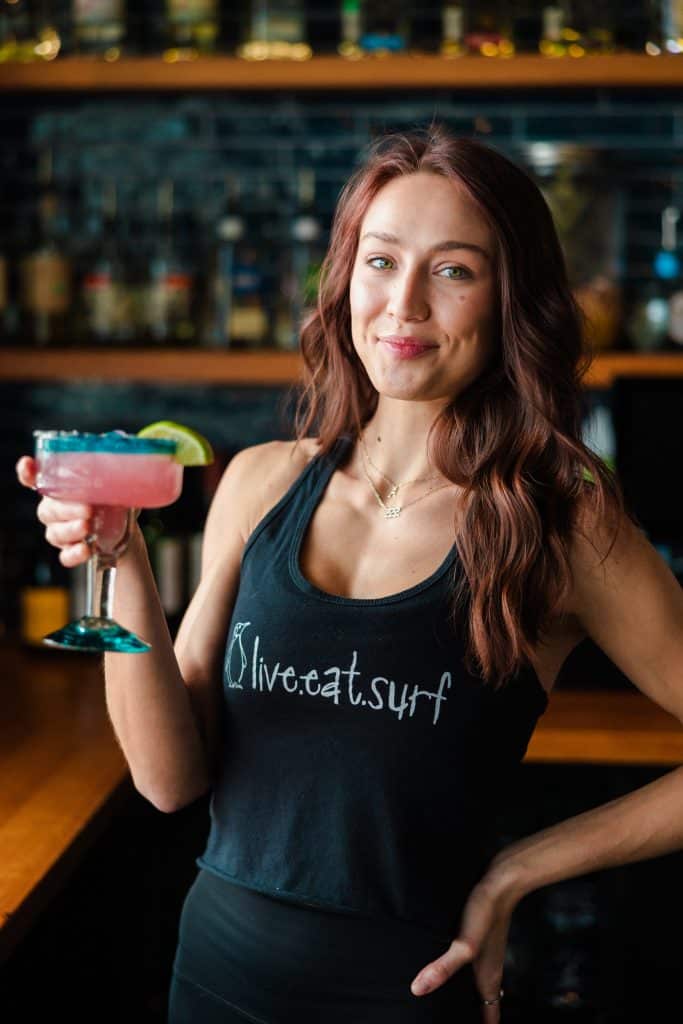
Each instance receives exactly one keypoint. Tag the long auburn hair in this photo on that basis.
(512, 438)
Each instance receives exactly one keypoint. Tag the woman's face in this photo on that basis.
(422, 289)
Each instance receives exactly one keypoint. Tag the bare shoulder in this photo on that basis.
(258, 476)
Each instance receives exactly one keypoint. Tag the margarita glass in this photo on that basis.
(118, 474)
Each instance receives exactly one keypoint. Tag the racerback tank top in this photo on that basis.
(362, 765)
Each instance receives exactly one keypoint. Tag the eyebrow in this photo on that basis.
(446, 246)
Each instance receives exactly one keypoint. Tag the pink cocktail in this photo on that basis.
(115, 473)
(110, 478)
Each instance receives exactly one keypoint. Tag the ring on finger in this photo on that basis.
(496, 999)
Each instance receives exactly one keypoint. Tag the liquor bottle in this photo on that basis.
(45, 272)
(99, 27)
(489, 29)
(385, 27)
(299, 285)
(657, 316)
(672, 26)
(541, 27)
(44, 599)
(192, 28)
(250, 315)
(216, 326)
(453, 30)
(17, 39)
(107, 313)
(593, 23)
(276, 30)
(169, 300)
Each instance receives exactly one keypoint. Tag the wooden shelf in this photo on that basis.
(330, 72)
(205, 366)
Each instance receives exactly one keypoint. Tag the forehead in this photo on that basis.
(418, 206)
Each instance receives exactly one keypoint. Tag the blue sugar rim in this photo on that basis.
(114, 441)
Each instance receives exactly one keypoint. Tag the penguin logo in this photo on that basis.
(236, 660)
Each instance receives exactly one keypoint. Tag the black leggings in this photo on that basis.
(243, 956)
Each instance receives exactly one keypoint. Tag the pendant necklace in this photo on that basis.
(394, 511)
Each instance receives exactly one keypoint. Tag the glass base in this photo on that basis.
(91, 634)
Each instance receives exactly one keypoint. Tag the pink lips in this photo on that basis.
(405, 347)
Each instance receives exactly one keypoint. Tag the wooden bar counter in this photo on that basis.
(63, 774)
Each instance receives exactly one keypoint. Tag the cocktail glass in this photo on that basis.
(118, 474)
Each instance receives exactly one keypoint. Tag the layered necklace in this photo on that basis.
(393, 511)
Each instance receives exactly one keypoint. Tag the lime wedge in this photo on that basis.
(193, 449)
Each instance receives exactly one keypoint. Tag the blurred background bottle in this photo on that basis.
(656, 318)
(301, 260)
(488, 31)
(671, 26)
(44, 598)
(105, 306)
(275, 29)
(216, 317)
(169, 312)
(192, 28)
(45, 270)
(452, 30)
(99, 27)
(587, 209)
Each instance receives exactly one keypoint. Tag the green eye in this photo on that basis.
(378, 259)
(460, 270)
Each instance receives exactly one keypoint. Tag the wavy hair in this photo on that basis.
(512, 438)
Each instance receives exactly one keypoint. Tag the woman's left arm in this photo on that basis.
(631, 605)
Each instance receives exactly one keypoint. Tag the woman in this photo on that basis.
(387, 603)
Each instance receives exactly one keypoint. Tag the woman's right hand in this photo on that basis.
(67, 524)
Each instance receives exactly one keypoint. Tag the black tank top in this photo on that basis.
(362, 765)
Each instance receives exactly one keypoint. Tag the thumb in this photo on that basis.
(439, 971)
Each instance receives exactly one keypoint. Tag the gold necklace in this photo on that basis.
(394, 511)
(395, 488)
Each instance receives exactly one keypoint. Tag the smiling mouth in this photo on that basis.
(407, 347)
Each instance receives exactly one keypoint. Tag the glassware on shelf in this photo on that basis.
(99, 27)
(587, 210)
(116, 473)
(275, 30)
(216, 318)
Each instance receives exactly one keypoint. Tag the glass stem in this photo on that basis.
(101, 579)
(102, 572)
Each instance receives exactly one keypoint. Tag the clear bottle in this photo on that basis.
(489, 29)
(170, 282)
(192, 28)
(300, 266)
(99, 27)
(656, 318)
(276, 30)
(452, 30)
(45, 270)
(105, 300)
(216, 320)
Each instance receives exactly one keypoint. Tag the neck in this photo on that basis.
(396, 438)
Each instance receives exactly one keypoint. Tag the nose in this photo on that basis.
(408, 298)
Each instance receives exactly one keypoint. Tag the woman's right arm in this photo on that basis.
(165, 704)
